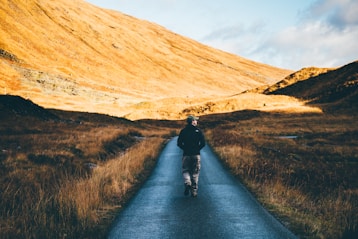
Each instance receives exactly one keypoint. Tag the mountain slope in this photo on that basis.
(308, 90)
(337, 87)
(69, 54)
(301, 75)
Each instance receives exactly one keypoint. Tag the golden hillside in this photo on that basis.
(69, 54)
(301, 75)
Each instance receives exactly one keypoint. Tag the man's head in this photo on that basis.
(192, 120)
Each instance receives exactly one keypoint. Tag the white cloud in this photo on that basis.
(338, 13)
(327, 37)
(315, 44)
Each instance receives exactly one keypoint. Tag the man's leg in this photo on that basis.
(186, 174)
(195, 175)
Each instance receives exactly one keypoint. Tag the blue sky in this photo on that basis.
(290, 34)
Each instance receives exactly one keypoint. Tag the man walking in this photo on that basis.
(191, 141)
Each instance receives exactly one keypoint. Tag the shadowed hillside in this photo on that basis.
(338, 87)
(69, 54)
(12, 106)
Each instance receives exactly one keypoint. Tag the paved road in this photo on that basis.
(222, 209)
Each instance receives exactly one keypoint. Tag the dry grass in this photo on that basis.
(310, 181)
(68, 178)
(96, 198)
(301, 75)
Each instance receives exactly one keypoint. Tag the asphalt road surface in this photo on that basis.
(222, 209)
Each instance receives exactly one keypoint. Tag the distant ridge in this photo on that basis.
(301, 75)
(338, 86)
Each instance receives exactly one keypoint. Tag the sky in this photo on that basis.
(289, 34)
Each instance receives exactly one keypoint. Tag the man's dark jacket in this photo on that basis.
(191, 140)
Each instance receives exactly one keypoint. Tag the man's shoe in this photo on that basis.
(187, 190)
(194, 192)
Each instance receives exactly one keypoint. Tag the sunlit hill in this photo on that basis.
(75, 56)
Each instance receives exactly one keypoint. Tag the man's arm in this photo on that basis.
(202, 140)
(180, 140)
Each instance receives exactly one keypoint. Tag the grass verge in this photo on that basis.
(67, 178)
(301, 167)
